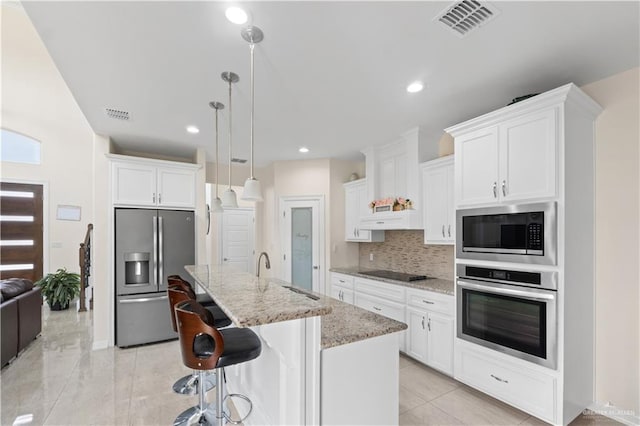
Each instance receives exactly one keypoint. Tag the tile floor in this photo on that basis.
(59, 380)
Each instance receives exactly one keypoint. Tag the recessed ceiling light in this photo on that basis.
(303, 149)
(193, 130)
(415, 87)
(236, 15)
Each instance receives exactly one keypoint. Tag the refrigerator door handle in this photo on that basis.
(143, 299)
(155, 251)
(161, 251)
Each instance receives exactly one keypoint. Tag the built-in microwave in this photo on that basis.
(523, 233)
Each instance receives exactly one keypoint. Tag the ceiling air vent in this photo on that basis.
(464, 16)
(238, 160)
(117, 114)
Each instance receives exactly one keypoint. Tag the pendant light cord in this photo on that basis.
(217, 159)
(230, 134)
(252, 102)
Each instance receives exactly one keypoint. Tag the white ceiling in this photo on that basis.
(329, 75)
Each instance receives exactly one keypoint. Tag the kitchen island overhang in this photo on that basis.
(323, 361)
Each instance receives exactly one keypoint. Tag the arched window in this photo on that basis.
(18, 148)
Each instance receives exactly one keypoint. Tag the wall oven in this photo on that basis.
(511, 311)
(523, 233)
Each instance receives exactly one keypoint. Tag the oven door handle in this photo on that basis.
(532, 294)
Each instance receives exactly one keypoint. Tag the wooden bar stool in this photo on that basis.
(204, 347)
(188, 385)
(186, 285)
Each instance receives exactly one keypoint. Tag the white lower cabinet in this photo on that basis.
(429, 315)
(509, 380)
(430, 333)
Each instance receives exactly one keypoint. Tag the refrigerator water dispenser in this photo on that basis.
(136, 267)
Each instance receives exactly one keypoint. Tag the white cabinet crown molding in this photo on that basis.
(152, 161)
(568, 93)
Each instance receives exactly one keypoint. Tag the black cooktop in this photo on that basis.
(398, 276)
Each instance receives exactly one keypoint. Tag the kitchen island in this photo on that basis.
(322, 361)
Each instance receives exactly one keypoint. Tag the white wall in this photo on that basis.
(36, 102)
(618, 240)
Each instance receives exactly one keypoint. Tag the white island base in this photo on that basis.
(294, 381)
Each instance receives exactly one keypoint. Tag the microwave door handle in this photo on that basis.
(531, 294)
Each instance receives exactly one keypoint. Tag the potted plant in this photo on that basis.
(60, 288)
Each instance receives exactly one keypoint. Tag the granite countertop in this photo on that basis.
(347, 324)
(433, 284)
(251, 301)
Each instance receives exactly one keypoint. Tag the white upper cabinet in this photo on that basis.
(153, 183)
(392, 172)
(356, 206)
(438, 205)
(176, 187)
(527, 152)
(509, 155)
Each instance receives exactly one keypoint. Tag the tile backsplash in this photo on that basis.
(405, 251)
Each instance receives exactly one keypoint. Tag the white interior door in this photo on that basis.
(302, 231)
(236, 239)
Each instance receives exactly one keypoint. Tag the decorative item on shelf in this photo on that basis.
(229, 199)
(217, 203)
(354, 176)
(521, 98)
(252, 190)
(390, 204)
(60, 288)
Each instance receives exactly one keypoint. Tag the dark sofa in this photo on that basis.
(20, 316)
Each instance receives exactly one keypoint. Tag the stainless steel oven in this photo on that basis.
(524, 233)
(511, 311)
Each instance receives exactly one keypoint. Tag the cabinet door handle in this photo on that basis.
(442, 231)
(380, 223)
(159, 198)
(428, 302)
(499, 379)
(376, 308)
(154, 197)
(449, 231)
(495, 190)
(358, 233)
(423, 323)
(504, 188)
(225, 259)
(429, 324)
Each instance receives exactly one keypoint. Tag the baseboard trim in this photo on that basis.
(100, 344)
(627, 417)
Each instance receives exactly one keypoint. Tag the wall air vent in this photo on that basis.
(118, 114)
(238, 160)
(464, 16)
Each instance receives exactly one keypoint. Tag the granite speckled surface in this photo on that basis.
(434, 284)
(251, 301)
(347, 324)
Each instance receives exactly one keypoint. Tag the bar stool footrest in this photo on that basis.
(228, 416)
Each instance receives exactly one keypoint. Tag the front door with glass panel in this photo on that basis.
(301, 238)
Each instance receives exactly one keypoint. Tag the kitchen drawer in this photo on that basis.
(379, 306)
(381, 289)
(527, 389)
(342, 280)
(430, 300)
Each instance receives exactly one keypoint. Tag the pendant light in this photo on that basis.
(252, 190)
(217, 203)
(229, 199)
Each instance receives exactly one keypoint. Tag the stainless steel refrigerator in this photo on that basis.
(150, 245)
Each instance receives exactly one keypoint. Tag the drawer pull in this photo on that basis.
(380, 223)
(376, 308)
(499, 379)
(341, 281)
(428, 302)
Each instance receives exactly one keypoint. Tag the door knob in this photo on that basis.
(225, 259)
(316, 267)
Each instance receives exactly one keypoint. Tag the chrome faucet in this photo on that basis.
(267, 263)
